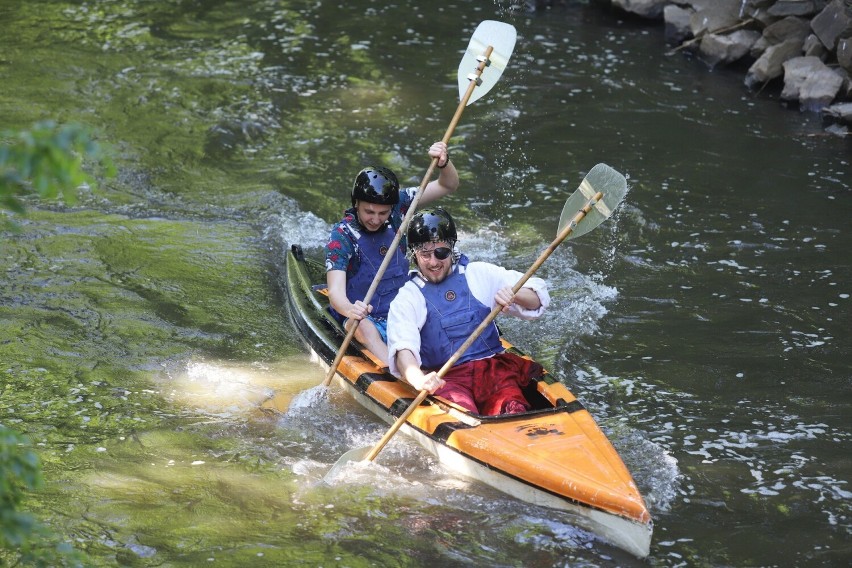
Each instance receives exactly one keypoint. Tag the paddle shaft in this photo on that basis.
(408, 215)
(563, 234)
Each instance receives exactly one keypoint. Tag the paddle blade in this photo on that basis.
(600, 178)
(356, 455)
(499, 36)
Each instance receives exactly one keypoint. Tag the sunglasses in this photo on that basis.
(441, 253)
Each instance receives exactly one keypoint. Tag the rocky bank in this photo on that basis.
(805, 46)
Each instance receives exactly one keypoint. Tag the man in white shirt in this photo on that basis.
(444, 301)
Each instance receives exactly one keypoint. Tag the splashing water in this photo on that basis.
(312, 397)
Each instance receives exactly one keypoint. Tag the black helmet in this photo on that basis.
(376, 185)
(431, 225)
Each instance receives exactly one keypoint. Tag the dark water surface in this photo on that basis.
(146, 349)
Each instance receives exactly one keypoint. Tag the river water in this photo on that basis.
(147, 352)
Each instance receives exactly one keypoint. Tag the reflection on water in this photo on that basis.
(232, 391)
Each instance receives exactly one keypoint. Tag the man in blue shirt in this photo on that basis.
(359, 242)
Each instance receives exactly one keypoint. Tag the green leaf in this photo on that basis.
(49, 161)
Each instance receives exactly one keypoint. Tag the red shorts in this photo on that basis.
(490, 386)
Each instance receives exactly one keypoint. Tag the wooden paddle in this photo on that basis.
(491, 46)
(599, 194)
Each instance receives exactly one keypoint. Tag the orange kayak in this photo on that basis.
(554, 455)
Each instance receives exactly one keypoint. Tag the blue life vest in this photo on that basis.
(370, 249)
(452, 314)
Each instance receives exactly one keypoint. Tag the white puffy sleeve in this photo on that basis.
(406, 318)
(485, 279)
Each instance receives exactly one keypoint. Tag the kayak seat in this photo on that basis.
(533, 396)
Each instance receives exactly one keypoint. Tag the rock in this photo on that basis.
(788, 28)
(811, 82)
(846, 89)
(651, 9)
(830, 24)
(717, 48)
(770, 65)
(779, 31)
(715, 16)
(784, 8)
(759, 47)
(840, 111)
(838, 130)
(813, 46)
(844, 54)
(693, 5)
(752, 6)
(758, 10)
(677, 23)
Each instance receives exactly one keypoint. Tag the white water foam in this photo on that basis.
(312, 397)
(299, 227)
